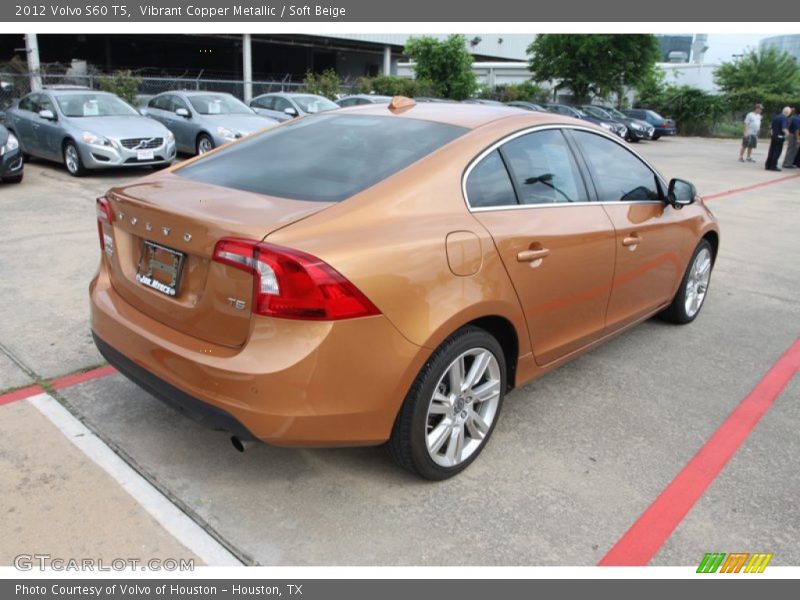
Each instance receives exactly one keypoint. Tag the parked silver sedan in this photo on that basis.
(284, 106)
(85, 129)
(201, 121)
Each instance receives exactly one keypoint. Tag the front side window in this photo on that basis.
(544, 168)
(267, 102)
(281, 104)
(218, 104)
(314, 104)
(323, 158)
(93, 105)
(489, 184)
(618, 174)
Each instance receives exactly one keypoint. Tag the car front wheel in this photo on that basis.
(694, 287)
(204, 144)
(72, 160)
(452, 407)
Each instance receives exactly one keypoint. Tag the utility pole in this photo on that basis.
(247, 67)
(32, 48)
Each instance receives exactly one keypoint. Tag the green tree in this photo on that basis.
(446, 63)
(593, 63)
(325, 84)
(766, 71)
(122, 83)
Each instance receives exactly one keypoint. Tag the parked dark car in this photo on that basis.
(637, 130)
(10, 157)
(482, 101)
(359, 99)
(576, 113)
(527, 105)
(662, 126)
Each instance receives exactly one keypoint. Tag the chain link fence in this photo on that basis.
(15, 85)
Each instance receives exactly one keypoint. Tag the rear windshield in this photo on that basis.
(324, 158)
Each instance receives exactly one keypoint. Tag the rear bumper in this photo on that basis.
(205, 414)
(293, 383)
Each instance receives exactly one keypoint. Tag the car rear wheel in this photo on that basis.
(694, 287)
(656, 136)
(72, 160)
(452, 407)
(204, 143)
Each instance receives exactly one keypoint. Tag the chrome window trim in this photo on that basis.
(533, 129)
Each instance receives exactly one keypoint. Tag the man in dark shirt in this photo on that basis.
(779, 129)
(794, 141)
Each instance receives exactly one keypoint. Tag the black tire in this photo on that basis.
(13, 179)
(676, 312)
(656, 136)
(407, 445)
(74, 165)
(203, 141)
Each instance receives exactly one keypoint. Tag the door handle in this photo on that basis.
(632, 240)
(533, 255)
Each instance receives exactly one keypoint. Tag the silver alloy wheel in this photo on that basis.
(204, 145)
(463, 407)
(71, 158)
(697, 282)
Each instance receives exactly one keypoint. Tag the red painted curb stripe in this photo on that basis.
(646, 536)
(70, 380)
(750, 187)
(20, 394)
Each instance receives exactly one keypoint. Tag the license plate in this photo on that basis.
(160, 268)
(145, 155)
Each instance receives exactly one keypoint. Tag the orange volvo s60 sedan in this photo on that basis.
(386, 274)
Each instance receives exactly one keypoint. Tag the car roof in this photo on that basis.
(470, 116)
(75, 91)
(290, 94)
(195, 92)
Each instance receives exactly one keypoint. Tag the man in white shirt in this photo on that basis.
(752, 124)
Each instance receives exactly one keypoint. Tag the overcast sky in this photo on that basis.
(722, 47)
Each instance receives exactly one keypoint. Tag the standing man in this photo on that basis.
(752, 125)
(779, 129)
(794, 141)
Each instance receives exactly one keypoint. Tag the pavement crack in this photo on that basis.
(20, 363)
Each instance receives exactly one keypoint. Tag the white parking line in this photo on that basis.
(171, 518)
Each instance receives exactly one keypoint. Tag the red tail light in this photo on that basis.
(104, 215)
(292, 284)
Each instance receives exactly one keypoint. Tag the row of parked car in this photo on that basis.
(86, 129)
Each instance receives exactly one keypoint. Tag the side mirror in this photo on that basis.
(681, 193)
(47, 114)
(182, 112)
(143, 111)
(290, 111)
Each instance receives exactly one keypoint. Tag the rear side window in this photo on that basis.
(544, 169)
(324, 158)
(488, 183)
(618, 174)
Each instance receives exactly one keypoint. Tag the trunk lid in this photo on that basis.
(165, 228)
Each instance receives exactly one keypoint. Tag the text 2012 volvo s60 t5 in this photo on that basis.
(387, 273)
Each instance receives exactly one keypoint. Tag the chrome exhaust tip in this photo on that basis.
(240, 444)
